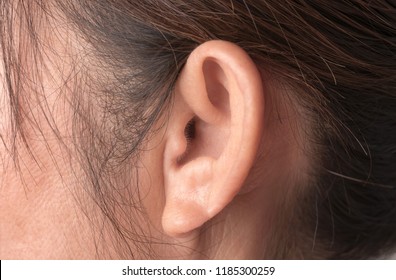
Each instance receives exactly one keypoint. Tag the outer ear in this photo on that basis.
(213, 134)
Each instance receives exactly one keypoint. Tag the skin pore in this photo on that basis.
(218, 195)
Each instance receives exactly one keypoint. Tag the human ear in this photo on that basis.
(213, 134)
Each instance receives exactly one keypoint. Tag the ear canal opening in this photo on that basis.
(189, 134)
(189, 131)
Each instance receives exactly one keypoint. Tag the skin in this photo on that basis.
(215, 196)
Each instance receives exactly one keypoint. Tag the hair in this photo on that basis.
(338, 56)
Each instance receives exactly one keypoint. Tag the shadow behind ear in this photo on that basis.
(213, 134)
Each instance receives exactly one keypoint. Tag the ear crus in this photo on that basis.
(213, 134)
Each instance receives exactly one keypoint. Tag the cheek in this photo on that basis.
(151, 181)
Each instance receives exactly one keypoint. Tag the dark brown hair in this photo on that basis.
(339, 56)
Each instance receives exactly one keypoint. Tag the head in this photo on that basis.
(197, 129)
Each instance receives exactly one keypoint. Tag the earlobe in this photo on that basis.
(213, 134)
